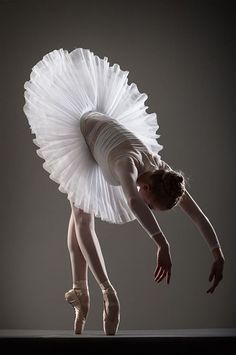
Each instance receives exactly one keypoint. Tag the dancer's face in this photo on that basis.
(145, 192)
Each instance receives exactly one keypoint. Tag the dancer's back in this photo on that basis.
(110, 141)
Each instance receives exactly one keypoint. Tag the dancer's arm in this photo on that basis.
(191, 208)
(127, 173)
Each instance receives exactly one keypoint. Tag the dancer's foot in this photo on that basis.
(81, 302)
(111, 311)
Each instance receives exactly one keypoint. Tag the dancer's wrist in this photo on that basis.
(160, 239)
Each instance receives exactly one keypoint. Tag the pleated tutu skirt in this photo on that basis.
(64, 86)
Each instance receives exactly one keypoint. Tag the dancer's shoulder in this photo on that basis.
(163, 165)
(125, 165)
(127, 173)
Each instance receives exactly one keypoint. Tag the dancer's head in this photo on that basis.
(162, 189)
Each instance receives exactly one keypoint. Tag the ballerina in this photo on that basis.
(100, 146)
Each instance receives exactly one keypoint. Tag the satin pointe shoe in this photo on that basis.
(81, 303)
(111, 312)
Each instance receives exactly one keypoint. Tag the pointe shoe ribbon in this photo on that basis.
(80, 301)
(111, 311)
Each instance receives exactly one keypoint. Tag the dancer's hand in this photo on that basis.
(216, 274)
(164, 264)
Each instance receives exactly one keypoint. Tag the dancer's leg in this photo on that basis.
(78, 296)
(79, 266)
(90, 247)
(89, 244)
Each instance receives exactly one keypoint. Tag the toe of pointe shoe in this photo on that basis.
(111, 313)
(79, 322)
(81, 306)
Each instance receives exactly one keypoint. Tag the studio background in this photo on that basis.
(181, 54)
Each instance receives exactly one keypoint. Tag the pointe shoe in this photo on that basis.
(81, 303)
(111, 312)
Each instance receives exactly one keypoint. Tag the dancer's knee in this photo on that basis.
(83, 219)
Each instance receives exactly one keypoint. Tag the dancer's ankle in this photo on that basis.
(81, 285)
(106, 285)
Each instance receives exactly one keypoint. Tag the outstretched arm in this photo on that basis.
(191, 208)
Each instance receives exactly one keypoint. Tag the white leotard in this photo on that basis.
(108, 141)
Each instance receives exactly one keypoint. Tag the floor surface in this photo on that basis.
(149, 342)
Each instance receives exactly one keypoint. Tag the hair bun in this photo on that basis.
(179, 178)
(172, 183)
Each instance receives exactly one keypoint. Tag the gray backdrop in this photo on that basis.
(181, 54)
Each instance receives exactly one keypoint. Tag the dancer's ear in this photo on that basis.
(147, 187)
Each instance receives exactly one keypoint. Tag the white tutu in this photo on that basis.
(62, 87)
